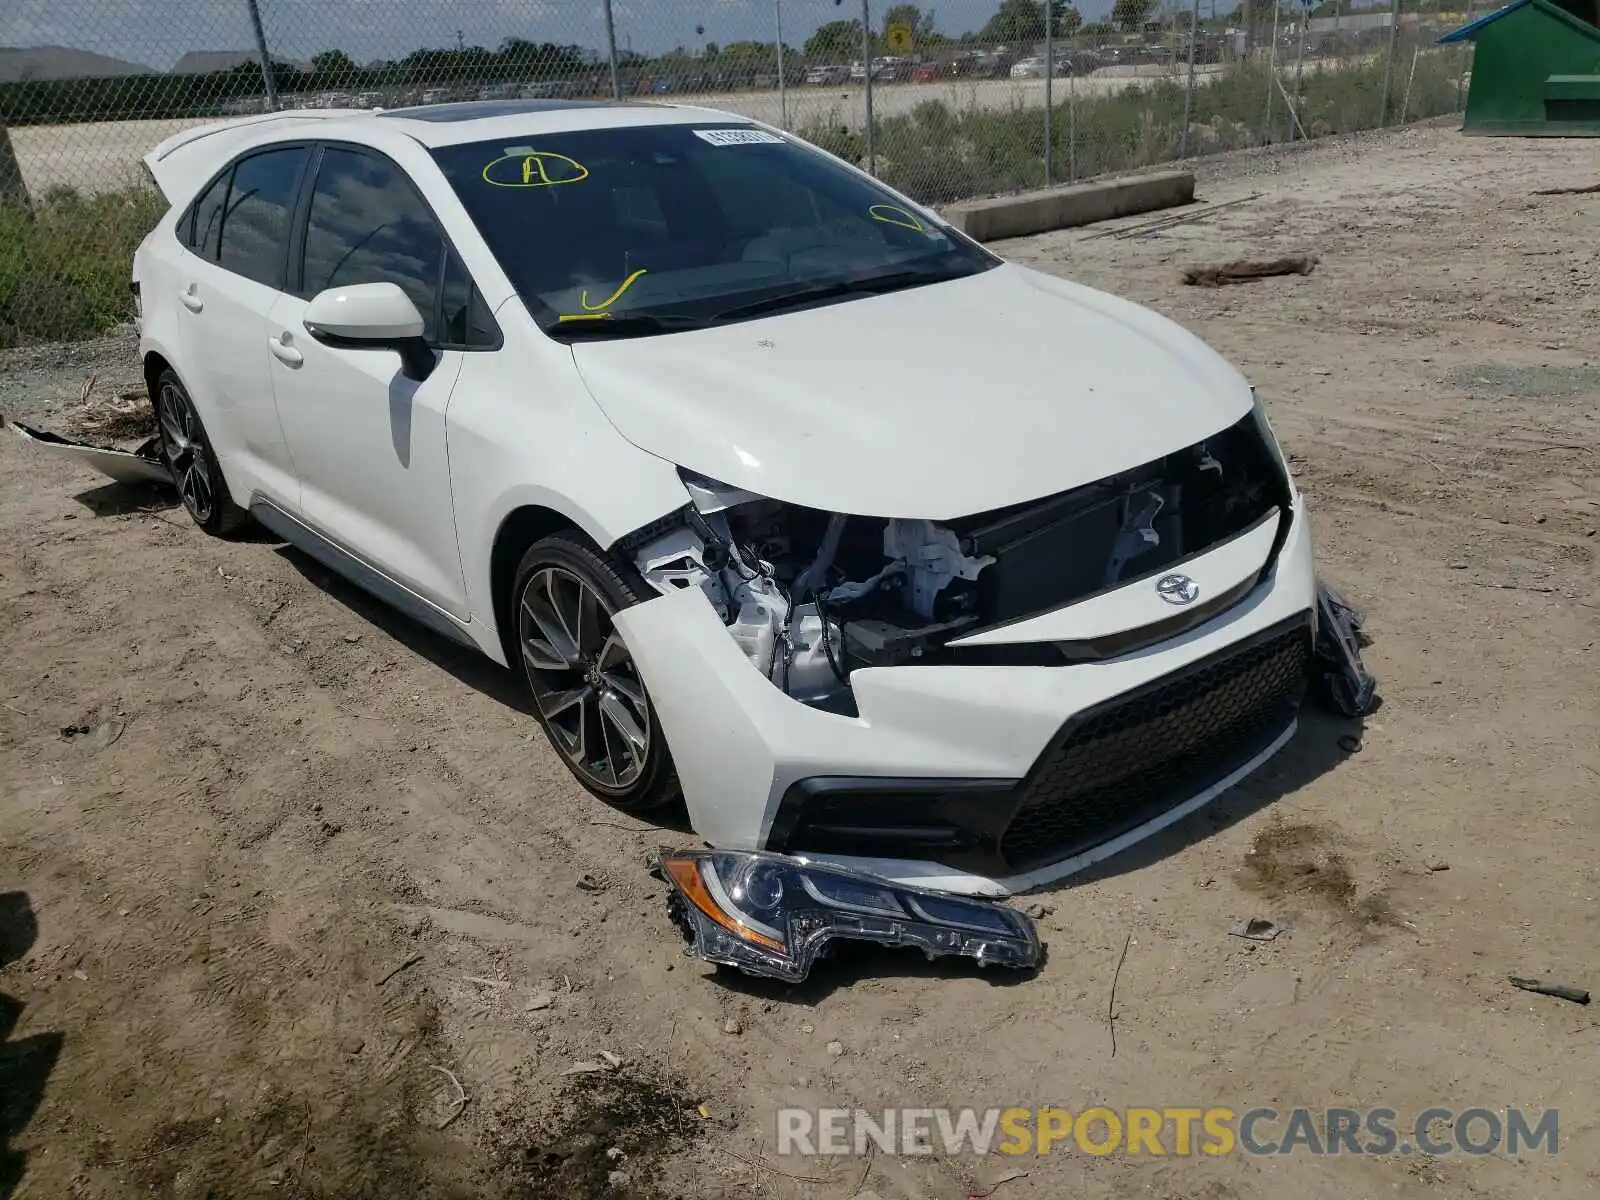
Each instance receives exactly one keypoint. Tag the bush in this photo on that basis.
(937, 154)
(65, 266)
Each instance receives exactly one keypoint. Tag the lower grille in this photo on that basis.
(1115, 767)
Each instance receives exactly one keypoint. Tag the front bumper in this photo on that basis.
(979, 779)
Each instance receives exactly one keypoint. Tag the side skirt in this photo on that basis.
(336, 558)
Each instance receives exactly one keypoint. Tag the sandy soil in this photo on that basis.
(326, 859)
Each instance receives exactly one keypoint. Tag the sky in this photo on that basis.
(158, 32)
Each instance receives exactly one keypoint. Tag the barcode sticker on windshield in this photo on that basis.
(736, 137)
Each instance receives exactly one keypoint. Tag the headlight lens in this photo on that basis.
(773, 915)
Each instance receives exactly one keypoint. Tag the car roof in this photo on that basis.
(484, 120)
(182, 163)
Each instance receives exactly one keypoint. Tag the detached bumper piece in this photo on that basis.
(140, 465)
(1341, 680)
(772, 915)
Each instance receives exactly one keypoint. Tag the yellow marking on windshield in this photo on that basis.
(583, 297)
(893, 214)
(535, 168)
(597, 312)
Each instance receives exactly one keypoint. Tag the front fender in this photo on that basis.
(524, 432)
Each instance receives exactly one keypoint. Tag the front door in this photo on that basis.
(367, 441)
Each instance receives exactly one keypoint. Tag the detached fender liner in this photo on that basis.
(1110, 769)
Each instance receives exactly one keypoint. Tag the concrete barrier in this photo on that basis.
(1065, 207)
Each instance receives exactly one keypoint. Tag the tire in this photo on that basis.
(186, 449)
(587, 694)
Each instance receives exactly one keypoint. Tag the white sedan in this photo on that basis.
(783, 496)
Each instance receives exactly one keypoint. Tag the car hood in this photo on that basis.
(935, 402)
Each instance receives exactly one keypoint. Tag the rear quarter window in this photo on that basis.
(255, 223)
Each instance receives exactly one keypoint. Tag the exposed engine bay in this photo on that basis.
(812, 596)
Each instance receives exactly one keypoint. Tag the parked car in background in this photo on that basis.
(1032, 67)
(830, 76)
(980, 64)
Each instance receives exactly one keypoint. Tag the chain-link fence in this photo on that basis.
(1020, 96)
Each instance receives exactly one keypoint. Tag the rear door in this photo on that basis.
(369, 441)
(237, 240)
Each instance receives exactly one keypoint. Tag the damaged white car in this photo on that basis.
(783, 495)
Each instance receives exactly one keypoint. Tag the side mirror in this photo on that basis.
(371, 316)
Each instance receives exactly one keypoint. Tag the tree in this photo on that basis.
(909, 14)
(1023, 21)
(332, 62)
(1129, 15)
(835, 40)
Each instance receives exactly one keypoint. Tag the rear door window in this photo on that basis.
(255, 224)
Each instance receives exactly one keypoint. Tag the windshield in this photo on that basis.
(652, 229)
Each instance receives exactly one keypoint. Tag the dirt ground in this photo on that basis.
(312, 879)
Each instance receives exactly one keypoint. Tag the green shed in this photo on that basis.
(1535, 70)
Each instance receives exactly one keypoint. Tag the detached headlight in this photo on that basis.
(773, 915)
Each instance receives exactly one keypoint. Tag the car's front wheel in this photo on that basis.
(587, 692)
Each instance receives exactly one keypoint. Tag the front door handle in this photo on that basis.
(191, 299)
(284, 352)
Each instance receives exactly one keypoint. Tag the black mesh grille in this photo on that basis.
(1140, 755)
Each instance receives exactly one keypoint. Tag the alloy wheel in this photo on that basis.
(183, 446)
(583, 679)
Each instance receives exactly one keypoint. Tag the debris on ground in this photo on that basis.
(1161, 224)
(143, 464)
(587, 1068)
(600, 1127)
(97, 736)
(1342, 680)
(789, 912)
(405, 966)
(458, 1104)
(1245, 271)
(976, 1193)
(1257, 929)
(128, 416)
(1585, 190)
(1546, 987)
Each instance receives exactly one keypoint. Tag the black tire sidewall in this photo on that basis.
(621, 588)
(225, 515)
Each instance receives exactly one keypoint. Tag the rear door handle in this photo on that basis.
(284, 352)
(191, 299)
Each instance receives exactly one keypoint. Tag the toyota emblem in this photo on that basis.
(1177, 589)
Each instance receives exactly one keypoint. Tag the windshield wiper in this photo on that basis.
(870, 285)
(636, 325)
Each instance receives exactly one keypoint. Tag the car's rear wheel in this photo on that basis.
(192, 463)
(587, 693)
